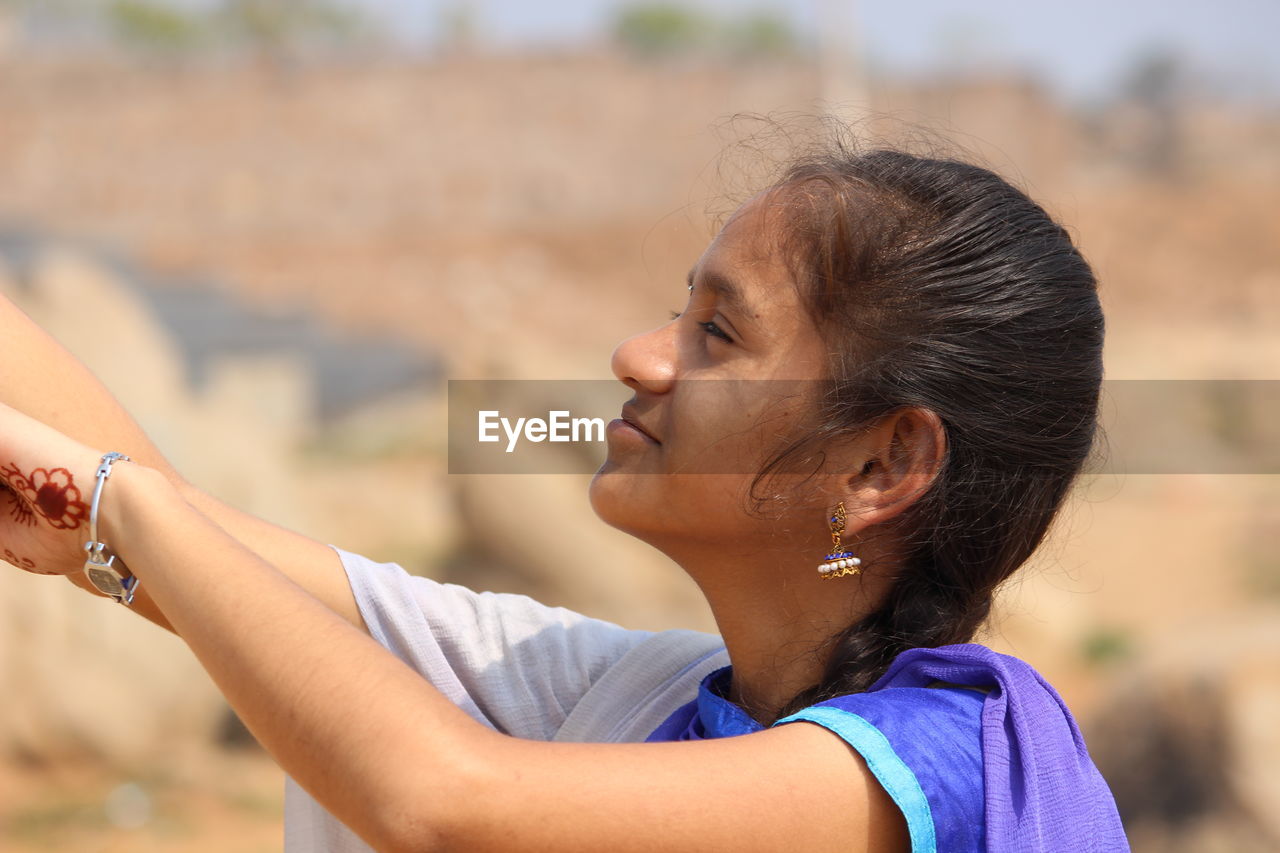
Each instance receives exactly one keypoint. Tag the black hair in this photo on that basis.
(938, 284)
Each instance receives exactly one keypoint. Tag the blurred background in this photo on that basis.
(300, 217)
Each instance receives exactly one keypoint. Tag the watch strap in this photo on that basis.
(101, 567)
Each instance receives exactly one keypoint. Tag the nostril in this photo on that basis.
(644, 362)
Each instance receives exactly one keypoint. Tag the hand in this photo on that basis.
(46, 484)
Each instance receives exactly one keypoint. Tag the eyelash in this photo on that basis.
(708, 326)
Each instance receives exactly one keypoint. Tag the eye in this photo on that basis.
(709, 327)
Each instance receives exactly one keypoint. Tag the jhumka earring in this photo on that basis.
(839, 563)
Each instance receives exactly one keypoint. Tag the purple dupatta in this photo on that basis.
(1040, 790)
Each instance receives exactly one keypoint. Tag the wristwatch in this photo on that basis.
(101, 568)
(107, 578)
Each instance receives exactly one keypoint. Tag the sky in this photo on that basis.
(1082, 49)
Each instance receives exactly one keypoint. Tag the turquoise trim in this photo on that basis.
(884, 763)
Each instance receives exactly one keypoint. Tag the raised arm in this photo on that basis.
(40, 378)
(399, 763)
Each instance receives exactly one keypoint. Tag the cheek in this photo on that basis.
(717, 430)
(729, 447)
(715, 442)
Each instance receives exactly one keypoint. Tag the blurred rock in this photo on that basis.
(80, 676)
(1189, 740)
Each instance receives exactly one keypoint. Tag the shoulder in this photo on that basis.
(924, 747)
(1007, 768)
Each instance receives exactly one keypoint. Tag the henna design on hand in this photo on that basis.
(23, 562)
(21, 513)
(50, 492)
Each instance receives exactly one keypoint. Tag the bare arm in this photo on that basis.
(40, 378)
(399, 763)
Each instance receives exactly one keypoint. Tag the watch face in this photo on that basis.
(105, 580)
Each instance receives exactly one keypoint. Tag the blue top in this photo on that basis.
(913, 739)
(976, 748)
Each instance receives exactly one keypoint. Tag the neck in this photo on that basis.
(777, 617)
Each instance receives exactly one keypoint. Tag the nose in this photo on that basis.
(648, 360)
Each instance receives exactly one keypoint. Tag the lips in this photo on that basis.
(629, 415)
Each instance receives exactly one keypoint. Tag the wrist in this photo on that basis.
(131, 489)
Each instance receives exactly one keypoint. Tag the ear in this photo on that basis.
(889, 466)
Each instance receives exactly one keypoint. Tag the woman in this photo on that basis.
(905, 361)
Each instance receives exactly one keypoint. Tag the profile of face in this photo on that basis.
(714, 391)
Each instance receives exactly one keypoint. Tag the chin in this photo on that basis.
(603, 493)
(619, 499)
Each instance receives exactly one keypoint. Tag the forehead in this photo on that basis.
(749, 237)
(743, 264)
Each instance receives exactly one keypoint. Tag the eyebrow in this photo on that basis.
(726, 289)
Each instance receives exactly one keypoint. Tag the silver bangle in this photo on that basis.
(102, 569)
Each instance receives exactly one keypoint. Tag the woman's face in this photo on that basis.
(716, 388)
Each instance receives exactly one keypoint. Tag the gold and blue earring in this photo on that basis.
(839, 563)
